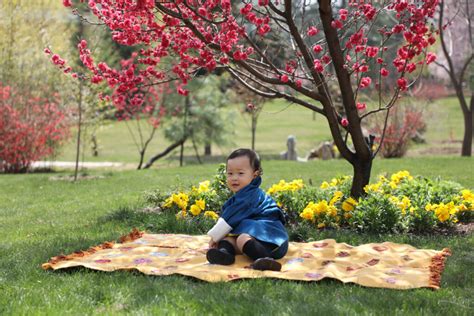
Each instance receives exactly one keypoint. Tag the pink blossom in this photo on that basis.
(264, 29)
(202, 11)
(246, 9)
(183, 91)
(371, 51)
(298, 83)
(47, 51)
(384, 72)
(317, 48)
(344, 122)
(363, 68)
(430, 57)
(312, 31)
(318, 66)
(67, 3)
(326, 59)
(361, 106)
(337, 24)
(402, 84)
(411, 67)
(284, 78)
(365, 82)
(343, 14)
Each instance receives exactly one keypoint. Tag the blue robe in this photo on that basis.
(251, 211)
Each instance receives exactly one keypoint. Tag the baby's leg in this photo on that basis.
(233, 242)
(258, 251)
(224, 253)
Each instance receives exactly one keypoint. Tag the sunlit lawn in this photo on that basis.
(277, 121)
(40, 218)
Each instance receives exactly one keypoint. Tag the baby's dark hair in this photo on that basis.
(252, 155)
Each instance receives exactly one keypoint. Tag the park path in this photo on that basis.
(72, 164)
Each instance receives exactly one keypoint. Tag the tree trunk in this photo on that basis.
(142, 157)
(254, 131)
(362, 169)
(79, 125)
(196, 151)
(207, 145)
(207, 150)
(181, 155)
(144, 148)
(163, 153)
(466, 150)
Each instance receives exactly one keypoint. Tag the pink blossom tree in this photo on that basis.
(31, 128)
(298, 50)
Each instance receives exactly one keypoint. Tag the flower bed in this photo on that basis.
(396, 203)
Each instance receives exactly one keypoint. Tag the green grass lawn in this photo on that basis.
(41, 218)
(277, 120)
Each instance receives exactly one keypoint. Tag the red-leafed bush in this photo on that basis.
(31, 128)
(404, 123)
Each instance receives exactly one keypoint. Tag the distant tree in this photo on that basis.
(252, 106)
(457, 43)
(199, 117)
(31, 128)
(34, 122)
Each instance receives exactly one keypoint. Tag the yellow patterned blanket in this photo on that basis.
(384, 265)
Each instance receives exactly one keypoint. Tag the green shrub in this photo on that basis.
(397, 203)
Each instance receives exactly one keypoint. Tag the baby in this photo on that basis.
(251, 222)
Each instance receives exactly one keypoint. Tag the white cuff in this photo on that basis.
(220, 229)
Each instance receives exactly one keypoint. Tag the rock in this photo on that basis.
(324, 151)
(290, 154)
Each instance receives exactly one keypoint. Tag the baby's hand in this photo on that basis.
(212, 244)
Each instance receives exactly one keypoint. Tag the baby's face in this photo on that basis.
(239, 173)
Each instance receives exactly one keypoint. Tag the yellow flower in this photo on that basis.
(211, 214)
(307, 214)
(195, 210)
(382, 179)
(402, 204)
(321, 225)
(399, 176)
(324, 185)
(337, 196)
(468, 196)
(372, 187)
(168, 202)
(204, 186)
(180, 199)
(332, 211)
(442, 212)
(201, 204)
(452, 209)
(349, 204)
(321, 207)
(286, 186)
(430, 207)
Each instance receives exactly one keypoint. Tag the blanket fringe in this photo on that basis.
(133, 235)
(437, 267)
